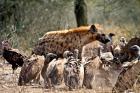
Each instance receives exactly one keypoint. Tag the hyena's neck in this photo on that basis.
(83, 38)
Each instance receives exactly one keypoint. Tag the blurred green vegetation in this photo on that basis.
(24, 21)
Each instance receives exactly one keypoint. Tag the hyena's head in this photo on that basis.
(103, 38)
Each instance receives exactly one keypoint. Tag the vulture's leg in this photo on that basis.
(37, 79)
(14, 67)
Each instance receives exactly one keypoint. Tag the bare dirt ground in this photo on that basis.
(8, 84)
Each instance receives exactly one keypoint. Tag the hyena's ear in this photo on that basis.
(111, 34)
(93, 29)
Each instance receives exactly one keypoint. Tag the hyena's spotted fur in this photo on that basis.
(59, 41)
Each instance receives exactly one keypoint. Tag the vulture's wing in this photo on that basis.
(15, 54)
(127, 77)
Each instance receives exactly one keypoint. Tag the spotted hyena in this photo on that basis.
(59, 41)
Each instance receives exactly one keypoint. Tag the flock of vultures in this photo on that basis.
(73, 56)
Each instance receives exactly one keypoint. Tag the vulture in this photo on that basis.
(12, 56)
